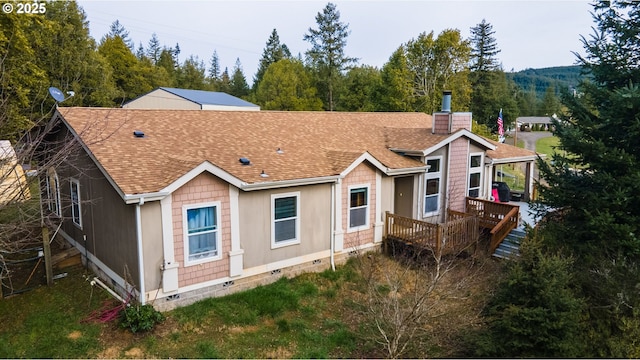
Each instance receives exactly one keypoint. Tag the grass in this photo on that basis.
(315, 315)
(547, 145)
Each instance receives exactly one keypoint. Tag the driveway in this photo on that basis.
(529, 138)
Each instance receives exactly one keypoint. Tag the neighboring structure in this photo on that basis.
(527, 122)
(185, 99)
(182, 205)
(13, 182)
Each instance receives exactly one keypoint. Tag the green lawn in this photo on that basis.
(547, 145)
(315, 315)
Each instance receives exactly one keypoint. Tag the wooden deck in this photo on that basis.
(460, 231)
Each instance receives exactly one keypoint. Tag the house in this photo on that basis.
(527, 122)
(186, 99)
(180, 205)
(13, 182)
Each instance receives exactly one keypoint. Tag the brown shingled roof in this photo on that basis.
(506, 152)
(314, 144)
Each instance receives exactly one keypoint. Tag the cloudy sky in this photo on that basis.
(530, 33)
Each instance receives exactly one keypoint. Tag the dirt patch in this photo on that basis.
(134, 353)
(74, 335)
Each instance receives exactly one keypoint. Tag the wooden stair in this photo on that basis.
(509, 248)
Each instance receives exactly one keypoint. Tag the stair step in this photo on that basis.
(518, 232)
(509, 246)
(505, 254)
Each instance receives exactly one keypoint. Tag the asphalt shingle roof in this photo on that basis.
(313, 144)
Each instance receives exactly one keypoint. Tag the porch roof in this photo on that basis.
(506, 154)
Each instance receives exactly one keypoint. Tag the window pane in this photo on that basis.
(474, 192)
(203, 219)
(358, 197)
(202, 246)
(433, 185)
(358, 217)
(285, 208)
(476, 161)
(434, 165)
(285, 230)
(474, 180)
(431, 203)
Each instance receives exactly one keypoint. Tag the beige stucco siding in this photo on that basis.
(203, 189)
(363, 175)
(255, 224)
(160, 99)
(151, 226)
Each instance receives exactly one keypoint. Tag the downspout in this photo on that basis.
(333, 222)
(140, 255)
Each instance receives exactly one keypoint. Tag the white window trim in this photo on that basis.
(428, 176)
(73, 181)
(185, 232)
(367, 223)
(477, 170)
(294, 241)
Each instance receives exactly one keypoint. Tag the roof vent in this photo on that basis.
(263, 174)
(280, 151)
(244, 161)
(138, 133)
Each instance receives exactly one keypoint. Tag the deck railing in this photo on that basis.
(450, 237)
(460, 230)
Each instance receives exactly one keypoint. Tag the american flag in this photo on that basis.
(500, 126)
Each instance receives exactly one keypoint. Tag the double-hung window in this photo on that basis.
(285, 216)
(475, 174)
(358, 207)
(76, 209)
(432, 186)
(202, 232)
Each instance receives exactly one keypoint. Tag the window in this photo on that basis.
(285, 216)
(358, 207)
(76, 210)
(475, 174)
(202, 232)
(432, 186)
(53, 192)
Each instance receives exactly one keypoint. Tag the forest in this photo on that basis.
(574, 292)
(55, 49)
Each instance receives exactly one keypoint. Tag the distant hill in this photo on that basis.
(561, 76)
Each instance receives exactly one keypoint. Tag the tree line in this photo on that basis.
(55, 49)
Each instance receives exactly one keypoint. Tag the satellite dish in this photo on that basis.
(57, 94)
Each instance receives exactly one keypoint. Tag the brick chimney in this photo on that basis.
(445, 122)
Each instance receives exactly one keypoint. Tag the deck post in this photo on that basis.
(385, 233)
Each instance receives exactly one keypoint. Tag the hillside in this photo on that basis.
(561, 76)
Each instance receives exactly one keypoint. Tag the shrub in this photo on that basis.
(140, 317)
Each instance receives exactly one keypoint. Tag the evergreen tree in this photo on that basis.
(594, 178)
(167, 62)
(224, 85)
(191, 75)
(238, 83)
(491, 89)
(484, 48)
(326, 55)
(214, 69)
(153, 49)
(273, 52)
(126, 69)
(117, 30)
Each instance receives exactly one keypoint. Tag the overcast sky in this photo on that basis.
(530, 34)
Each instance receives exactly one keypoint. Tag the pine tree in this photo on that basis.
(118, 30)
(238, 83)
(153, 49)
(326, 55)
(484, 48)
(594, 178)
(273, 52)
